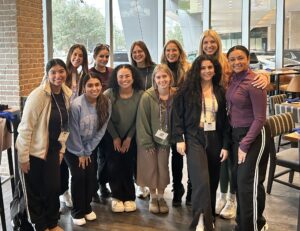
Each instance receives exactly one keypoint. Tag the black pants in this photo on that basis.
(43, 187)
(177, 167)
(82, 185)
(120, 170)
(213, 150)
(102, 162)
(199, 173)
(96, 164)
(64, 177)
(249, 178)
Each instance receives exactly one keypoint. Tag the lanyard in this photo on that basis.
(60, 114)
(204, 107)
(166, 114)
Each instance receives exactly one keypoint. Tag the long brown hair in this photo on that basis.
(142, 45)
(102, 105)
(70, 67)
(182, 62)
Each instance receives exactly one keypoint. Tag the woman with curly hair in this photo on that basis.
(119, 142)
(200, 130)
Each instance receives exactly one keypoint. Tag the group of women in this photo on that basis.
(119, 125)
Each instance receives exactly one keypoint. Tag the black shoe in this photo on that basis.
(105, 193)
(96, 198)
(188, 198)
(178, 193)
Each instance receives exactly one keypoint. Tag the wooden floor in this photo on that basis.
(281, 213)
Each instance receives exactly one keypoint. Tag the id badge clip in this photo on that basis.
(161, 134)
(63, 136)
(210, 126)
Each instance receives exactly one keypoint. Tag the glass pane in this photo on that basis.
(262, 34)
(184, 23)
(134, 20)
(120, 48)
(226, 20)
(77, 22)
(292, 35)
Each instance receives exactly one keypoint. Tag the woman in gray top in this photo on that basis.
(124, 93)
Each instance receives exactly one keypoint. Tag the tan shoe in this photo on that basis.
(129, 206)
(153, 206)
(163, 207)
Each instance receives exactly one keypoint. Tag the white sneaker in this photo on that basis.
(229, 211)
(142, 192)
(117, 206)
(80, 221)
(91, 216)
(200, 226)
(129, 206)
(221, 202)
(66, 197)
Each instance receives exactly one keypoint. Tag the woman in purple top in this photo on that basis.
(101, 57)
(246, 107)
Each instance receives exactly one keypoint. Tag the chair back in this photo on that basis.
(281, 123)
(276, 99)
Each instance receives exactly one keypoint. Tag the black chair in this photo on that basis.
(5, 131)
(289, 158)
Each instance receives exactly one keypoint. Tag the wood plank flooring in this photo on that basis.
(281, 213)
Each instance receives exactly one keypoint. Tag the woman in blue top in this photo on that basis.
(89, 116)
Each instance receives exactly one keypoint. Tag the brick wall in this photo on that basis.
(9, 68)
(30, 44)
(21, 52)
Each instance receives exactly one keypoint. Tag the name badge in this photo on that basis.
(210, 126)
(161, 134)
(63, 136)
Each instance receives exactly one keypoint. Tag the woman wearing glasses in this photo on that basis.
(141, 60)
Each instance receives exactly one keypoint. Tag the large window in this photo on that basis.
(77, 22)
(262, 33)
(292, 34)
(184, 23)
(226, 20)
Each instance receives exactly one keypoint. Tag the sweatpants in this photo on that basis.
(64, 177)
(43, 188)
(95, 155)
(197, 162)
(120, 170)
(82, 185)
(249, 178)
(102, 163)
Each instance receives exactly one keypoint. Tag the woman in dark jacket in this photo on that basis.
(200, 127)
